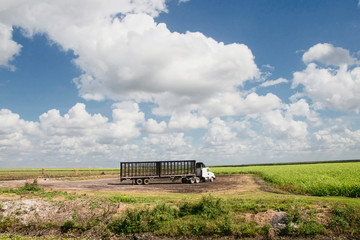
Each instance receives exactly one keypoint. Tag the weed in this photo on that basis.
(209, 207)
(310, 228)
(123, 199)
(6, 223)
(31, 187)
(67, 226)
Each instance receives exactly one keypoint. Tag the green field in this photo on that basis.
(19, 174)
(327, 179)
(95, 215)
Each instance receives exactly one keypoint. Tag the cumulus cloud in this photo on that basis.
(152, 126)
(15, 132)
(278, 125)
(188, 121)
(302, 108)
(337, 138)
(8, 48)
(219, 133)
(230, 104)
(333, 88)
(327, 54)
(126, 55)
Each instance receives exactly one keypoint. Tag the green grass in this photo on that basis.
(329, 179)
(18, 174)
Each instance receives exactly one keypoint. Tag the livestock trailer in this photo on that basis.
(189, 171)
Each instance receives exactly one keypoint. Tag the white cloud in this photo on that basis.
(337, 139)
(230, 104)
(15, 132)
(78, 132)
(333, 88)
(302, 108)
(131, 57)
(274, 82)
(152, 126)
(126, 56)
(219, 133)
(275, 124)
(327, 54)
(8, 48)
(187, 121)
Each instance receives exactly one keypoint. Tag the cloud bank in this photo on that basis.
(195, 83)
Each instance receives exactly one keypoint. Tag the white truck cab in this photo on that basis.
(204, 172)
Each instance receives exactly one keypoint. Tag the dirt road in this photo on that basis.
(223, 184)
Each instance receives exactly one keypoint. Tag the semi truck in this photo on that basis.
(189, 171)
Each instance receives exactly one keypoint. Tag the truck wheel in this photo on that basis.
(197, 180)
(211, 179)
(192, 180)
(138, 181)
(146, 181)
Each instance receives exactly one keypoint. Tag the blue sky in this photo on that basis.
(92, 83)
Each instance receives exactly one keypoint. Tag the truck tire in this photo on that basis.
(146, 181)
(197, 180)
(138, 181)
(192, 180)
(211, 179)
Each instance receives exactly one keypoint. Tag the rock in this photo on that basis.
(278, 221)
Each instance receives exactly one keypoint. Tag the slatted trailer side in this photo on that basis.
(142, 172)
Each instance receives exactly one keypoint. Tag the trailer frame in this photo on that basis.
(143, 171)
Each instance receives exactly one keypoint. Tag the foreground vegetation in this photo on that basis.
(328, 179)
(114, 215)
(185, 215)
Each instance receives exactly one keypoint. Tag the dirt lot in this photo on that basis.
(223, 184)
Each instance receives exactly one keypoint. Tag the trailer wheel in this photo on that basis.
(146, 181)
(192, 180)
(197, 180)
(138, 181)
(184, 180)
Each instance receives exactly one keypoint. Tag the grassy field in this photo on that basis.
(18, 174)
(328, 179)
(118, 215)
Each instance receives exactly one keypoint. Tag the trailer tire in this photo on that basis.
(197, 180)
(184, 180)
(192, 180)
(146, 181)
(139, 181)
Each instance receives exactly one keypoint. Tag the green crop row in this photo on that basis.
(15, 174)
(330, 179)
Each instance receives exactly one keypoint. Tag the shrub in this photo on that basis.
(31, 187)
(68, 225)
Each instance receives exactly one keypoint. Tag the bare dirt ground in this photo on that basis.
(226, 184)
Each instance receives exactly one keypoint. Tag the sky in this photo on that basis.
(90, 83)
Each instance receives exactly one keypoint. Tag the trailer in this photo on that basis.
(189, 171)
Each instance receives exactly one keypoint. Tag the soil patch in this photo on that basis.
(227, 184)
